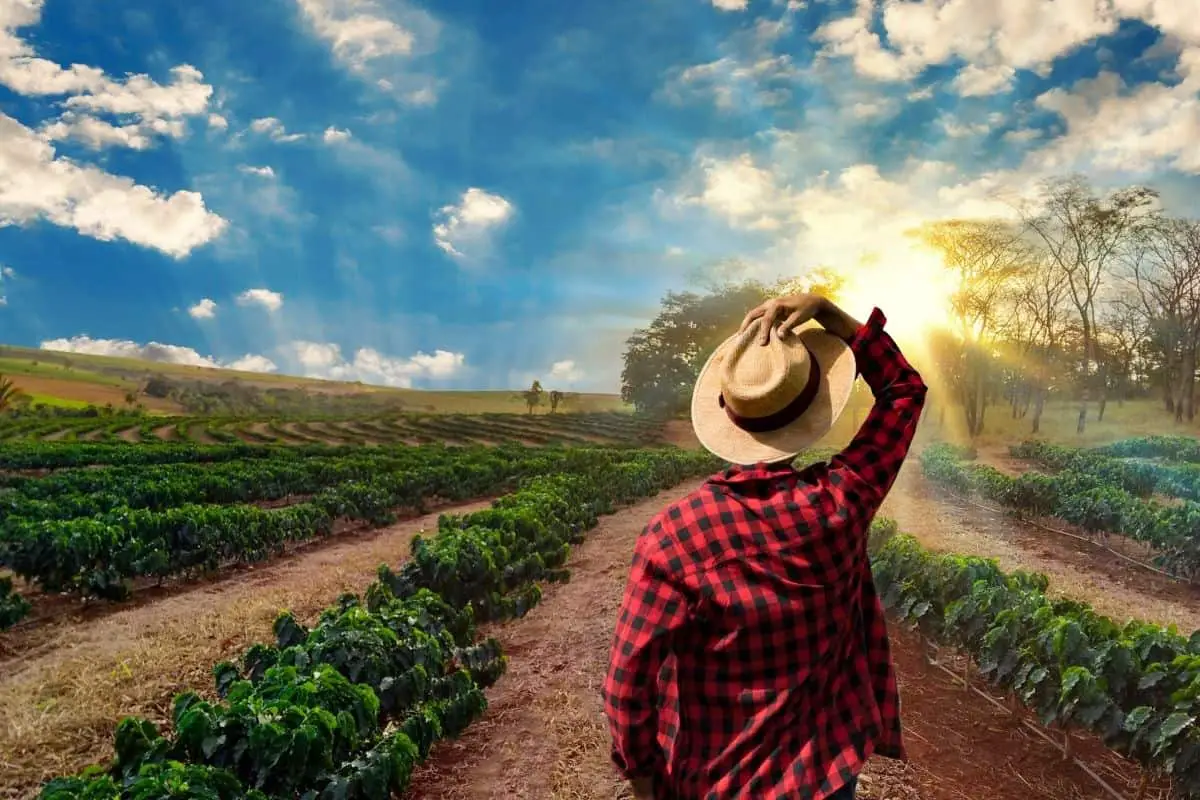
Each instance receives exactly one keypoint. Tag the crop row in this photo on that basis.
(347, 709)
(1083, 499)
(72, 493)
(1136, 475)
(99, 555)
(1136, 686)
(573, 428)
(1168, 448)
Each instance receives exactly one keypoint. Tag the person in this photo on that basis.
(751, 658)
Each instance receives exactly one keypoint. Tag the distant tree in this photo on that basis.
(556, 397)
(1083, 236)
(131, 398)
(663, 359)
(533, 396)
(10, 396)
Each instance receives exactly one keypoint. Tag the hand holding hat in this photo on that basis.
(769, 402)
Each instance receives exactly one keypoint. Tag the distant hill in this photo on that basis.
(76, 380)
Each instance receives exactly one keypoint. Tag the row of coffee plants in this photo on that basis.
(1136, 686)
(346, 710)
(99, 555)
(1167, 448)
(85, 492)
(1083, 499)
(1138, 476)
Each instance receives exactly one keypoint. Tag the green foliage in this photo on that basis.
(13, 607)
(1136, 686)
(348, 708)
(1087, 492)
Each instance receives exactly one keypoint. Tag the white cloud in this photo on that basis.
(253, 363)
(273, 127)
(465, 226)
(35, 184)
(205, 309)
(140, 101)
(737, 189)
(956, 129)
(217, 122)
(992, 39)
(7, 272)
(358, 30)
(675, 251)
(731, 5)
(333, 135)
(422, 96)
(976, 81)
(262, 172)
(325, 360)
(271, 301)
(97, 133)
(754, 78)
(153, 351)
(1110, 126)
(566, 371)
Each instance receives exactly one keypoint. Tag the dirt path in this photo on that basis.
(545, 735)
(59, 704)
(1080, 570)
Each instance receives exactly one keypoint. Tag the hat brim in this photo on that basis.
(720, 436)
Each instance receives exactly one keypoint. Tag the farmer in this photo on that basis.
(751, 657)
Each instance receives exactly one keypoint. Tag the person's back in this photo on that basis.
(751, 656)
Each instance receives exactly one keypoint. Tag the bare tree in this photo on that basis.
(1163, 269)
(1042, 300)
(1082, 235)
(987, 258)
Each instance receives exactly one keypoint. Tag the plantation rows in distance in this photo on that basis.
(347, 709)
(1103, 491)
(579, 429)
(1137, 685)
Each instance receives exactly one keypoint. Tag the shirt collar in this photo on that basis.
(754, 472)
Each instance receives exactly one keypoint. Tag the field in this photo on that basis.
(73, 380)
(178, 581)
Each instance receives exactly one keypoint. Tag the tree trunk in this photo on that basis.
(1102, 382)
(1085, 394)
(1038, 407)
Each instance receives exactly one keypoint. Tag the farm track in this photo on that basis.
(545, 736)
(61, 698)
(1076, 569)
(52, 610)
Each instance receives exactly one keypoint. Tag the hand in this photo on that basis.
(643, 788)
(795, 310)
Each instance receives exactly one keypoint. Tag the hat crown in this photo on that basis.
(758, 381)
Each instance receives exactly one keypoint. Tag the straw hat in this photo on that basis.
(765, 403)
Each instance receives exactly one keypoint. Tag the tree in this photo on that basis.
(533, 396)
(1163, 270)
(663, 359)
(1083, 236)
(986, 258)
(556, 397)
(10, 395)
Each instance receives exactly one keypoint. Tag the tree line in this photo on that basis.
(1082, 295)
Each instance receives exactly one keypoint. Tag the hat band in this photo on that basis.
(784, 416)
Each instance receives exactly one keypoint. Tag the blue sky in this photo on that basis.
(473, 194)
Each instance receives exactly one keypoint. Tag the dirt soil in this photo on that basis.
(545, 735)
(60, 701)
(1078, 569)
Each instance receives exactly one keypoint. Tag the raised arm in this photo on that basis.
(868, 466)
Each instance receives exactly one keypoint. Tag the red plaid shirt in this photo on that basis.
(751, 656)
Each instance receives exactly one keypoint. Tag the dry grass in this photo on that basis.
(60, 702)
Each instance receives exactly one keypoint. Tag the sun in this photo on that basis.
(914, 291)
